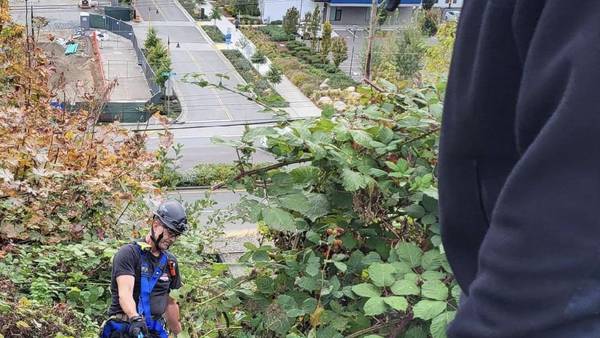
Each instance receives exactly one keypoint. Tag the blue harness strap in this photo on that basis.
(114, 326)
(148, 280)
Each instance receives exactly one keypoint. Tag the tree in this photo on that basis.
(410, 53)
(313, 27)
(290, 21)
(274, 74)
(305, 25)
(152, 39)
(339, 50)
(39, 22)
(428, 4)
(215, 15)
(326, 39)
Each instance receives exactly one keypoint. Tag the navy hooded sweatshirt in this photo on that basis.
(519, 175)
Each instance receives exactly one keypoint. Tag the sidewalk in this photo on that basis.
(300, 105)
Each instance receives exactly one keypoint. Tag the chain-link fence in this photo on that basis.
(122, 111)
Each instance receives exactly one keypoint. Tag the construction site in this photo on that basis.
(91, 56)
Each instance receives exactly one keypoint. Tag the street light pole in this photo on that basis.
(353, 31)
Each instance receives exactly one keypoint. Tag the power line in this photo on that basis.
(235, 124)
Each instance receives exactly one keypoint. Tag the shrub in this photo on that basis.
(214, 33)
(276, 33)
(309, 88)
(258, 57)
(274, 74)
(276, 22)
(299, 78)
(339, 49)
(329, 68)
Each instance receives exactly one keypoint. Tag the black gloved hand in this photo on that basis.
(137, 325)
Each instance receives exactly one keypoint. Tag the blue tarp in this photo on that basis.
(71, 48)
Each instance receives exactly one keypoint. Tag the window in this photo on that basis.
(338, 14)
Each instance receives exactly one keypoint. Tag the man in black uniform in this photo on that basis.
(143, 275)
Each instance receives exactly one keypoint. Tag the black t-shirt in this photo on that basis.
(127, 261)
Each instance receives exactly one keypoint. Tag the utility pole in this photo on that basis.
(371, 35)
(32, 27)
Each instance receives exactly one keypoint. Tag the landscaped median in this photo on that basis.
(306, 69)
(213, 33)
(261, 86)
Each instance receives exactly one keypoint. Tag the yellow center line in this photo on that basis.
(211, 88)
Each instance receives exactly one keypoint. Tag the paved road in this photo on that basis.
(224, 200)
(195, 54)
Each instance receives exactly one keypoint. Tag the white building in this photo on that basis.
(342, 12)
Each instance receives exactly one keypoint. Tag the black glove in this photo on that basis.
(137, 325)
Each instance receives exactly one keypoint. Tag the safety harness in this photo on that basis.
(148, 280)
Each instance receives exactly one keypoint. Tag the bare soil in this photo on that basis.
(74, 77)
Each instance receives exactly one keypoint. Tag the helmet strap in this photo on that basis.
(155, 240)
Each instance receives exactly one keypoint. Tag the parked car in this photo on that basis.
(451, 15)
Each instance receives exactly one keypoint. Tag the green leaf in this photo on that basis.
(297, 202)
(278, 219)
(409, 253)
(313, 267)
(428, 309)
(286, 302)
(440, 323)
(352, 180)
(434, 289)
(313, 237)
(377, 172)
(385, 135)
(401, 267)
(370, 258)
(374, 306)
(455, 292)
(318, 206)
(432, 260)
(361, 137)
(308, 283)
(340, 266)
(428, 219)
(415, 211)
(373, 336)
(309, 305)
(415, 332)
(264, 284)
(305, 175)
(382, 274)
(366, 290)
(431, 192)
(433, 275)
(396, 302)
(405, 288)
(327, 111)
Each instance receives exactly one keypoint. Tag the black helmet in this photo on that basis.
(172, 215)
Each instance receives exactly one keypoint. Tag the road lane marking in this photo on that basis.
(211, 88)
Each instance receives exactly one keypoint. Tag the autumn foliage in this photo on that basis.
(61, 175)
